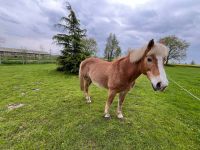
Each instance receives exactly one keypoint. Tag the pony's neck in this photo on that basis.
(133, 70)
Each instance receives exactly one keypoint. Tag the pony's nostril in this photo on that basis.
(158, 85)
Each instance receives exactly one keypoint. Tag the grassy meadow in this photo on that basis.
(55, 115)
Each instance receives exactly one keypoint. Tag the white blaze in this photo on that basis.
(163, 78)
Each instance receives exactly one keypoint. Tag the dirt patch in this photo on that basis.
(14, 106)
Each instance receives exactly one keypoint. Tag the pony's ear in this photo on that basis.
(151, 44)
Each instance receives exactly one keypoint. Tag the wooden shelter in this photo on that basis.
(21, 54)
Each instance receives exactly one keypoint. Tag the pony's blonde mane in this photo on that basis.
(158, 49)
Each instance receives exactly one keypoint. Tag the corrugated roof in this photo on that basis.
(15, 50)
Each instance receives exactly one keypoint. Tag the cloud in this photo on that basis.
(136, 23)
(31, 23)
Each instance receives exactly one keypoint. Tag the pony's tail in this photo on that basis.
(81, 78)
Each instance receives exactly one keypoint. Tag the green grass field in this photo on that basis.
(55, 115)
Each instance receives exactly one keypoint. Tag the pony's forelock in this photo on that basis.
(158, 49)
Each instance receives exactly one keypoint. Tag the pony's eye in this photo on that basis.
(149, 59)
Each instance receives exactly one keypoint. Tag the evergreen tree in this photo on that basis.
(112, 49)
(72, 53)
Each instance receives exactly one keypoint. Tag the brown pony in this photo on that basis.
(119, 75)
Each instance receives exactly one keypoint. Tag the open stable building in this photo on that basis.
(23, 55)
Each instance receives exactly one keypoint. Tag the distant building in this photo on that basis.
(7, 52)
(23, 55)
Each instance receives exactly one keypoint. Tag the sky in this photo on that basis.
(30, 23)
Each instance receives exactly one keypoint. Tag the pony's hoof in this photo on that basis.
(107, 116)
(120, 116)
(89, 101)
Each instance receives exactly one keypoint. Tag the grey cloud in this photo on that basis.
(142, 23)
(7, 18)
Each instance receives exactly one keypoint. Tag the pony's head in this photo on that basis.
(152, 58)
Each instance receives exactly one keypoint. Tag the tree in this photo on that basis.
(108, 48)
(24, 54)
(177, 48)
(192, 62)
(118, 52)
(90, 46)
(112, 49)
(72, 53)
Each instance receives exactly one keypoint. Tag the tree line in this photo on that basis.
(77, 46)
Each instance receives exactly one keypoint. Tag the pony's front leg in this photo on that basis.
(120, 102)
(111, 96)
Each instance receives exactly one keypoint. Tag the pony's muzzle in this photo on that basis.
(159, 86)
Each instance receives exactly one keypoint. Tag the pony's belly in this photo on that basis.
(98, 84)
(98, 77)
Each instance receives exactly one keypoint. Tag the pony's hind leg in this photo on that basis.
(87, 83)
(120, 102)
